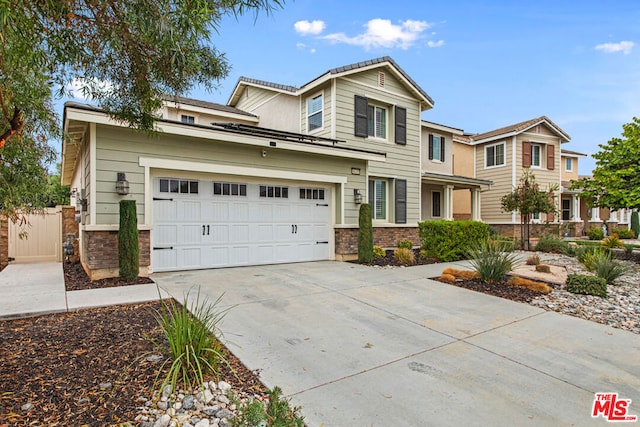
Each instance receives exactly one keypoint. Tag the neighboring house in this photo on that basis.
(572, 214)
(502, 155)
(277, 175)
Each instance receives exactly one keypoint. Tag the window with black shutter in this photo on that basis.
(401, 125)
(361, 105)
(401, 201)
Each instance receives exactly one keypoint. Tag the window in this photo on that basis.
(566, 209)
(536, 155)
(181, 186)
(378, 199)
(311, 194)
(436, 148)
(494, 155)
(314, 113)
(274, 191)
(229, 189)
(435, 204)
(568, 164)
(187, 119)
(377, 121)
(535, 216)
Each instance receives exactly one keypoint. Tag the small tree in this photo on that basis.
(365, 234)
(635, 223)
(528, 199)
(128, 250)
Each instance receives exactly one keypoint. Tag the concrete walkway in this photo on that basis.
(360, 346)
(38, 288)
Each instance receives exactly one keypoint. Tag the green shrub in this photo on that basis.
(365, 234)
(193, 341)
(378, 252)
(612, 242)
(491, 260)
(635, 223)
(404, 256)
(277, 413)
(128, 250)
(552, 244)
(450, 240)
(628, 249)
(624, 233)
(533, 260)
(606, 267)
(585, 254)
(587, 285)
(595, 233)
(405, 243)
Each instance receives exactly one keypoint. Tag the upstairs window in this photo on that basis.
(314, 113)
(184, 118)
(494, 155)
(436, 148)
(377, 122)
(536, 155)
(568, 164)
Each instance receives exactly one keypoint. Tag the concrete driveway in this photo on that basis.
(360, 346)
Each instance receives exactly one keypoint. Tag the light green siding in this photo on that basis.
(119, 150)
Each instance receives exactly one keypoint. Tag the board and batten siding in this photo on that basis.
(402, 160)
(119, 150)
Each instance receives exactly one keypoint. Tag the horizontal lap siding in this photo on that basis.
(402, 161)
(119, 150)
(491, 203)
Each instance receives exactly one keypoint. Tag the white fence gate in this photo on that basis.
(43, 239)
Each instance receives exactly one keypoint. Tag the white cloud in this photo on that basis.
(306, 27)
(382, 33)
(81, 88)
(439, 43)
(624, 46)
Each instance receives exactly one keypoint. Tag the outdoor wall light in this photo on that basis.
(357, 196)
(122, 185)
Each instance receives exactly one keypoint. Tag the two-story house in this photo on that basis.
(276, 175)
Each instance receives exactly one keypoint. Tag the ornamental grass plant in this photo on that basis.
(492, 260)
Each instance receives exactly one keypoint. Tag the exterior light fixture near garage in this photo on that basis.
(357, 196)
(122, 185)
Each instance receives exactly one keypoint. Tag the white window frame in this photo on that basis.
(536, 217)
(568, 164)
(315, 112)
(188, 116)
(376, 107)
(535, 147)
(440, 144)
(504, 155)
(374, 199)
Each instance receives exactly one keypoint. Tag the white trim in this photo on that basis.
(176, 128)
(441, 128)
(271, 98)
(539, 165)
(514, 178)
(322, 112)
(334, 108)
(93, 170)
(565, 163)
(211, 111)
(187, 113)
(504, 143)
(159, 163)
(111, 227)
(342, 203)
(148, 196)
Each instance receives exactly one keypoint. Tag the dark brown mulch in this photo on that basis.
(389, 259)
(59, 362)
(76, 279)
(499, 289)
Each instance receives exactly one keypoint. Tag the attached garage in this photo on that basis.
(224, 223)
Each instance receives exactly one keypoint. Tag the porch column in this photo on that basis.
(595, 214)
(475, 204)
(448, 202)
(613, 217)
(576, 208)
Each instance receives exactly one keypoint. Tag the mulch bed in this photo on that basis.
(499, 289)
(76, 279)
(61, 364)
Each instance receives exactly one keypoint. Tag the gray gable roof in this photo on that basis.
(518, 128)
(205, 104)
(278, 86)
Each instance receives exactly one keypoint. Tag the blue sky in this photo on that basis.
(486, 64)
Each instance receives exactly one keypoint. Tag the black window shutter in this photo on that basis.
(360, 109)
(430, 147)
(442, 144)
(401, 125)
(401, 201)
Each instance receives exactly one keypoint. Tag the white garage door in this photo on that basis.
(208, 224)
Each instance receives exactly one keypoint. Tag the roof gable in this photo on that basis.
(519, 128)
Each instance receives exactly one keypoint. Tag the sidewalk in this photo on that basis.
(33, 289)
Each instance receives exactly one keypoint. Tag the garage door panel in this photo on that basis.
(239, 229)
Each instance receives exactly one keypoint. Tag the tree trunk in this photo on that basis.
(16, 122)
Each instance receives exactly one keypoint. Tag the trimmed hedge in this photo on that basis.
(595, 233)
(128, 249)
(365, 235)
(587, 285)
(624, 233)
(450, 240)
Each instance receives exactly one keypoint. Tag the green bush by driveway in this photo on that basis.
(450, 240)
